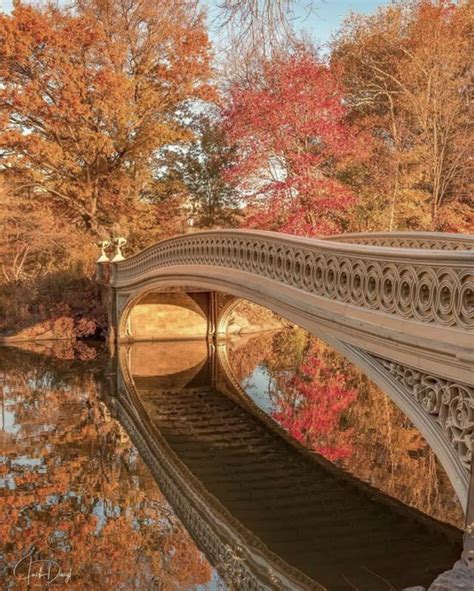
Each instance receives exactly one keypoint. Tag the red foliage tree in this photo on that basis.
(295, 145)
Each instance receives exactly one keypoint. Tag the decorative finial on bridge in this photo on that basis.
(119, 243)
(103, 245)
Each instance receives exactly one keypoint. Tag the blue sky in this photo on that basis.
(324, 20)
(326, 16)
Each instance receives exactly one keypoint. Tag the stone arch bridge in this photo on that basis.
(400, 306)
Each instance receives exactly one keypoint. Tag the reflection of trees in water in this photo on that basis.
(308, 396)
(332, 408)
(311, 402)
(391, 454)
(77, 491)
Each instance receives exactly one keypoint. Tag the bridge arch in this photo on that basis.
(173, 313)
(403, 315)
(376, 369)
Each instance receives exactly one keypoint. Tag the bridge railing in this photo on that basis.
(430, 240)
(433, 286)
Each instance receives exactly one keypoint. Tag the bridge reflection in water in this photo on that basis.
(266, 512)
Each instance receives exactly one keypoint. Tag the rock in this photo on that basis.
(418, 588)
(237, 323)
(459, 578)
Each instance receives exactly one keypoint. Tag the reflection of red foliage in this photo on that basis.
(310, 406)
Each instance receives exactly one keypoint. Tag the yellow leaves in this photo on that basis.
(406, 70)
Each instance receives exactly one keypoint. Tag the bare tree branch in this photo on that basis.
(257, 29)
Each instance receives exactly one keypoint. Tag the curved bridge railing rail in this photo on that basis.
(431, 240)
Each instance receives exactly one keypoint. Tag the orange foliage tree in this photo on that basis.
(45, 268)
(406, 71)
(89, 94)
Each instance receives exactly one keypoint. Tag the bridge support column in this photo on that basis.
(217, 304)
(212, 316)
(468, 554)
(461, 576)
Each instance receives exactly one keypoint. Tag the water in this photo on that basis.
(167, 470)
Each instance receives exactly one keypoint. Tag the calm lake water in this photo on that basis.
(268, 462)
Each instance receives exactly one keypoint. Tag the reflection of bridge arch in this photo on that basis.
(170, 366)
(404, 316)
(215, 531)
(245, 524)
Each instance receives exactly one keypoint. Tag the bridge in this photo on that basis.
(400, 306)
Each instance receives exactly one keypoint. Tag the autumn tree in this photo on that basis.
(406, 71)
(200, 166)
(46, 268)
(295, 146)
(32, 239)
(89, 94)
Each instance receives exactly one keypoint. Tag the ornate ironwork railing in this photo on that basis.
(429, 240)
(450, 404)
(422, 284)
